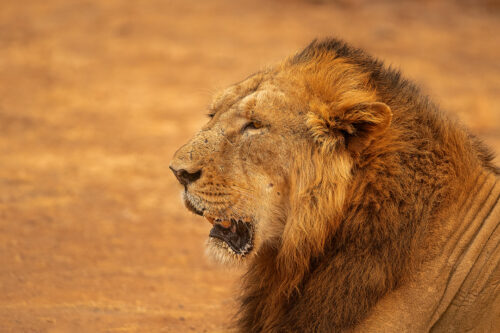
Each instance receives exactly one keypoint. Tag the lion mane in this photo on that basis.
(331, 269)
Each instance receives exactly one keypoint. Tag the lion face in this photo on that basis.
(235, 170)
(274, 162)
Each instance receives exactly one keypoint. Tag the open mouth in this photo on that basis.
(236, 234)
(232, 234)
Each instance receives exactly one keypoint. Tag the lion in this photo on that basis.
(353, 202)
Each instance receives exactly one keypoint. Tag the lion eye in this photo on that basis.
(251, 125)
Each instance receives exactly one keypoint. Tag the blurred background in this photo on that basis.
(95, 97)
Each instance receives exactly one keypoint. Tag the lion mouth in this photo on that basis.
(233, 234)
(236, 234)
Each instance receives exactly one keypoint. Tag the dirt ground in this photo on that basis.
(95, 97)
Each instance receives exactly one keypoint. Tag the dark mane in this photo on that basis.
(399, 186)
(383, 78)
(394, 90)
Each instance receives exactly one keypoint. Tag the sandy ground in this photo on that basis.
(95, 97)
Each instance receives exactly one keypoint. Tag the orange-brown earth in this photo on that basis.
(95, 96)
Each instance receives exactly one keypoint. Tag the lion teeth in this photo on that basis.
(225, 224)
(210, 219)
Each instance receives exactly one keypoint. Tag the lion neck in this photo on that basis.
(451, 292)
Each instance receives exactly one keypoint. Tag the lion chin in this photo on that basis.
(222, 253)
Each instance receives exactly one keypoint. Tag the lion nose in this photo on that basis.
(184, 177)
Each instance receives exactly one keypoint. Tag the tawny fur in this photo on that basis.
(362, 168)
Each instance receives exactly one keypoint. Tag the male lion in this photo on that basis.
(355, 203)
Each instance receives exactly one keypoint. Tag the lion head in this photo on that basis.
(273, 162)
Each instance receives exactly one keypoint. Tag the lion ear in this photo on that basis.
(355, 126)
(361, 124)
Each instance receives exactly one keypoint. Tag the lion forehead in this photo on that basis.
(263, 98)
(233, 94)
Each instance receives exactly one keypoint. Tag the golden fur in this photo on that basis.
(345, 172)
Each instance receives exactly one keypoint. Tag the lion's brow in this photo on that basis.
(212, 110)
(238, 91)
